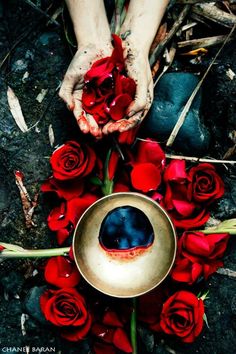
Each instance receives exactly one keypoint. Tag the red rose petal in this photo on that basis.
(65, 190)
(128, 137)
(121, 341)
(100, 68)
(175, 171)
(111, 319)
(184, 208)
(117, 57)
(145, 177)
(102, 332)
(61, 272)
(103, 348)
(117, 108)
(150, 151)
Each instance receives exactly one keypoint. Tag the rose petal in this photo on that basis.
(111, 319)
(61, 272)
(145, 177)
(117, 108)
(121, 341)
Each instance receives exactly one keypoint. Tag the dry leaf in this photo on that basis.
(51, 135)
(16, 111)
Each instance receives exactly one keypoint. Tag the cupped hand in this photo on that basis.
(138, 68)
(73, 82)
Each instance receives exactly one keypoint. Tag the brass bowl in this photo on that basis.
(116, 275)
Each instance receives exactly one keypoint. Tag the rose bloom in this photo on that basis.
(205, 184)
(184, 212)
(72, 160)
(66, 308)
(61, 272)
(108, 91)
(198, 255)
(182, 316)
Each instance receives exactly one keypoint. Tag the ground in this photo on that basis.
(42, 51)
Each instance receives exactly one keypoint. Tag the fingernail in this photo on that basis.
(131, 113)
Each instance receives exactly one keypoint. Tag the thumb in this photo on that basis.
(66, 90)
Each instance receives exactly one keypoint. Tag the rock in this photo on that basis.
(226, 206)
(147, 338)
(171, 94)
(32, 305)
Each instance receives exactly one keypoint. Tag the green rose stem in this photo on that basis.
(118, 16)
(133, 326)
(14, 251)
(227, 226)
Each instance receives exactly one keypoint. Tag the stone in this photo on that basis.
(170, 96)
(32, 305)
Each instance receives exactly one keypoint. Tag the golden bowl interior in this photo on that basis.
(117, 276)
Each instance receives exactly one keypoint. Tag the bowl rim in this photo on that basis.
(116, 195)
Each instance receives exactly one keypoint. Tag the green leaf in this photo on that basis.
(205, 320)
(95, 180)
(203, 295)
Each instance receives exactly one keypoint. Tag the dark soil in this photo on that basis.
(43, 52)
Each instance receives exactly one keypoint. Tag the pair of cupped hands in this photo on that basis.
(137, 67)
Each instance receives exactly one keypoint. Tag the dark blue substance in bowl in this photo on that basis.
(124, 228)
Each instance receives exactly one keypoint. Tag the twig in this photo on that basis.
(203, 42)
(169, 60)
(184, 112)
(27, 204)
(203, 1)
(196, 159)
(161, 46)
(227, 272)
(213, 13)
(35, 7)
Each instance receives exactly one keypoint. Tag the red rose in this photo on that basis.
(184, 212)
(198, 255)
(64, 218)
(147, 166)
(206, 185)
(71, 160)
(182, 316)
(108, 92)
(61, 272)
(67, 309)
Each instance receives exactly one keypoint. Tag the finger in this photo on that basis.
(67, 88)
(105, 130)
(114, 127)
(95, 130)
(79, 112)
(132, 122)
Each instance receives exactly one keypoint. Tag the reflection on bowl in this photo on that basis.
(125, 228)
(134, 269)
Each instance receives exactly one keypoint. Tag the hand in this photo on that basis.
(138, 68)
(72, 85)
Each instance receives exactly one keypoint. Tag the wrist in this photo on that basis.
(139, 47)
